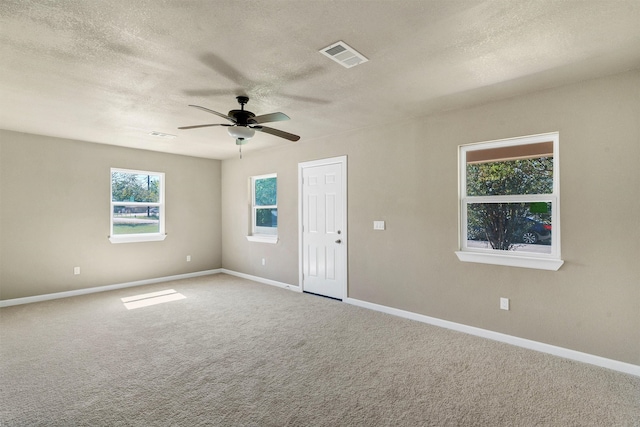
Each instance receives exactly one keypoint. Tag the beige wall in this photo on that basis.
(54, 216)
(406, 174)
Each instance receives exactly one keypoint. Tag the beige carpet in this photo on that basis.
(238, 353)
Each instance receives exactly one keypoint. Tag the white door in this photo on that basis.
(324, 234)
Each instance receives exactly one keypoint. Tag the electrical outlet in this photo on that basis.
(504, 303)
(188, 258)
(76, 270)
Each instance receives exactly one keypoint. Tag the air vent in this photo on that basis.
(343, 54)
(162, 135)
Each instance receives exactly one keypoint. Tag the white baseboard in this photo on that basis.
(261, 280)
(603, 362)
(85, 291)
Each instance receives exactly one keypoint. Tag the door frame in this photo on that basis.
(344, 270)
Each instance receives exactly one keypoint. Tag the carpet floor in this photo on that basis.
(238, 353)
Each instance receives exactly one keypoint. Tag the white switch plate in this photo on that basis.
(264, 261)
(504, 303)
(76, 270)
(188, 258)
(378, 225)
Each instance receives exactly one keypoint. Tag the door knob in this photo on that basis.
(338, 241)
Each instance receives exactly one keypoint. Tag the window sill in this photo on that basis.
(511, 261)
(263, 239)
(135, 238)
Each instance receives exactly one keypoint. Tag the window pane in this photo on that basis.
(267, 217)
(266, 192)
(136, 219)
(524, 227)
(131, 187)
(512, 177)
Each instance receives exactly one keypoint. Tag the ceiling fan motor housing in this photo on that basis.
(242, 117)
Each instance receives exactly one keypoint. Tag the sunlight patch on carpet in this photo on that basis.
(152, 298)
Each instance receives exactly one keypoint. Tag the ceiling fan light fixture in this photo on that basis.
(241, 132)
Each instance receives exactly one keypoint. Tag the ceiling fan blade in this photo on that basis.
(273, 117)
(276, 132)
(224, 116)
(204, 126)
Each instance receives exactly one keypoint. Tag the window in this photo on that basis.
(264, 209)
(509, 202)
(137, 206)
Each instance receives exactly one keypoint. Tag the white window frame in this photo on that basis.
(142, 237)
(551, 261)
(262, 234)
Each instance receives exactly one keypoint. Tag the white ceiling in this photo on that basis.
(113, 71)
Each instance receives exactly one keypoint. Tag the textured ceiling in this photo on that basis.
(113, 71)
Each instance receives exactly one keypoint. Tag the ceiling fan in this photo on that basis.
(244, 123)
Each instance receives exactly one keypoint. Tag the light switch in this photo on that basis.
(378, 225)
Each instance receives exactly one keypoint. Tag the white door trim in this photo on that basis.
(342, 160)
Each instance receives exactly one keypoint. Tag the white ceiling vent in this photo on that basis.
(344, 54)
